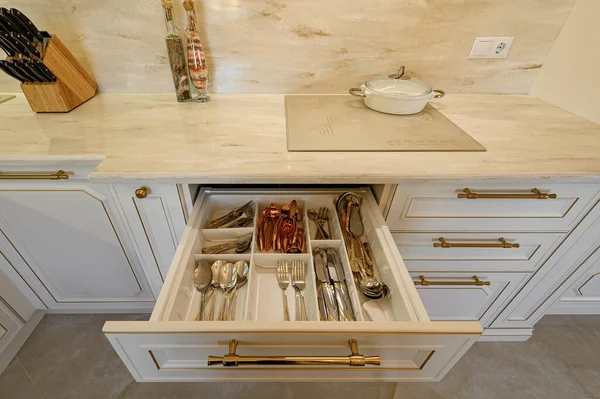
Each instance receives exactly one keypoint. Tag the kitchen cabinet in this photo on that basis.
(68, 241)
(19, 314)
(583, 294)
(171, 346)
(155, 218)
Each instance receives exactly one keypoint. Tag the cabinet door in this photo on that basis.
(69, 244)
(155, 217)
(10, 324)
(454, 296)
(583, 296)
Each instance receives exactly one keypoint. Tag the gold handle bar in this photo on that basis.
(59, 175)
(354, 360)
(535, 194)
(476, 281)
(503, 244)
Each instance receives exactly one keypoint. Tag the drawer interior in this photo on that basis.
(260, 299)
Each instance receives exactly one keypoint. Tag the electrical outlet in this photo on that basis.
(491, 47)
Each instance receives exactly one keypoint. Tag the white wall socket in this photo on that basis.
(491, 47)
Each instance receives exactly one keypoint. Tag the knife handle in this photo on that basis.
(345, 312)
(327, 294)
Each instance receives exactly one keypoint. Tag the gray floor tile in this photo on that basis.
(342, 390)
(16, 384)
(215, 390)
(67, 356)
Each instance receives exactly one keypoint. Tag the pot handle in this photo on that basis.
(356, 92)
(441, 92)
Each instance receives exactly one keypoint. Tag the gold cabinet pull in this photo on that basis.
(502, 244)
(59, 175)
(476, 281)
(535, 194)
(141, 192)
(233, 360)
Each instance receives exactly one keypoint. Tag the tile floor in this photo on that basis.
(67, 356)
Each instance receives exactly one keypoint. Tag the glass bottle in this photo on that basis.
(176, 55)
(196, 60)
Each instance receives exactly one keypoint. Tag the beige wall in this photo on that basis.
(308, 46)
(570, 76)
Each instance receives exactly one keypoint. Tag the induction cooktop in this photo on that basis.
(342, 123)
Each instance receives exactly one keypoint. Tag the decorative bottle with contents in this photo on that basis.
(176, 54)
(196, 59)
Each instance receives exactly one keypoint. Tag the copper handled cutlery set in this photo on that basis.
(282, 230)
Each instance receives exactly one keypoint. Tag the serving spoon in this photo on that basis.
(243, 268)
(202, 280)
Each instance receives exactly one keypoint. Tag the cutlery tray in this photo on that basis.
(73, 86)
(260, 299)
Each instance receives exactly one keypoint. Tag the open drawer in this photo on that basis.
(173, 347)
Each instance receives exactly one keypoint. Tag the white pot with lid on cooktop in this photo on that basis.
(397, 94)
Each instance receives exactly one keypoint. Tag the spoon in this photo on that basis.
(243, 268)
(214, 284)
(202, 280)
(227, 279)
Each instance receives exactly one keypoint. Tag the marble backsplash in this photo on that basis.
(307, 46)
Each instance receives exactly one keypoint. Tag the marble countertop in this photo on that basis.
(242, 139)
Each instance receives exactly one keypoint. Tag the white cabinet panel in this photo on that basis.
(157, 222)
(467, 302)
(65, 240)
(423, 251)
(10, 324)
(437, 207)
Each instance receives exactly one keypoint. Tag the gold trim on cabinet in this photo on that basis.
(477, 282)
(148, 238)
(116, 235)
(142, 192)
(503, 244)
(586, 281)
(5, 331)
(58, 175)
(535, 194)
(11, 309)
(231, 359)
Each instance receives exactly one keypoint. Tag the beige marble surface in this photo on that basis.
(307, 46)
(242, 139)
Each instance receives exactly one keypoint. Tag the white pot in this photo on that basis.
(396, 94)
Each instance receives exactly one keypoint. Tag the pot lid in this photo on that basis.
(399, 84)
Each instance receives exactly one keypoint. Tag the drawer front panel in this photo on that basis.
(483, 251)
(406, 356)
(437, 207)
(456, 301)
(173, 347)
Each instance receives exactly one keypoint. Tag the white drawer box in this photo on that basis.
(476, 251)
(437, 207)
(454, 296)
(172, 347)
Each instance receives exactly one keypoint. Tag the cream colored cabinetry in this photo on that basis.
(583, 294)
(155, 219)
(69, 243)
(510, 232)
(174, 347)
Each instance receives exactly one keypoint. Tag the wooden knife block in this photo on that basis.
(73, 85)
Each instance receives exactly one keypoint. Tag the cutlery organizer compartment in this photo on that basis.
(260, 299)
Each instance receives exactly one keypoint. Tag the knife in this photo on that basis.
(31, 78)
(31, 50)
(325, 292)
(14, 72)
(18, 26)
(43, 69)
(8, 49)
(27, 24)
(32, 70)
(18, 47)
(6, 21)
(9, 72)
(342, 297)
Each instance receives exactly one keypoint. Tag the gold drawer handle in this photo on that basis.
(233, 360)
(142, 192)
(535, 194)
(59, 175)
(503, 244)
(476, 281)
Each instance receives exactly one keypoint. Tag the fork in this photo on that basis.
(322, 218)
(298, 281)
(283, 279)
